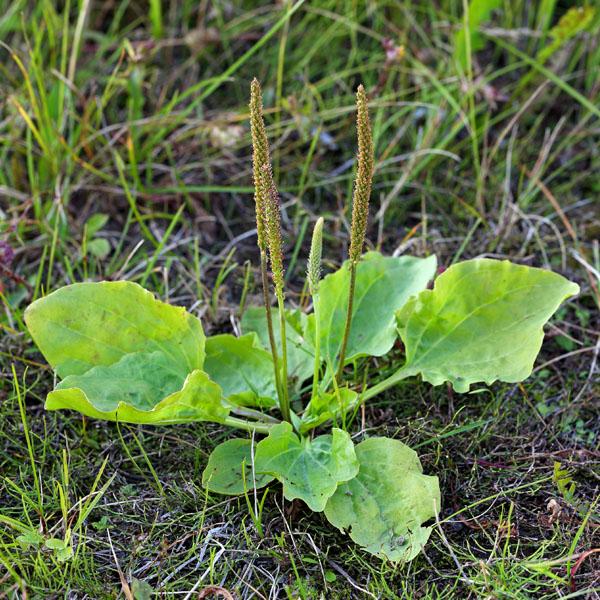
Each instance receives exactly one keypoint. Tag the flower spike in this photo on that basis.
(313, 272)
(313, 275)
(364, 176)
(260, 158)
(272, 221)
(360, 209)
(260, 165)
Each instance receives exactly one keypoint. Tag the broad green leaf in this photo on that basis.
(301, 355)
(243, 371)
(481, 322)
(324, 407)
(223, 473)
(385, 505)
(63, 549)
(65, 554)
(309, 469)
(383, 285)
(140, 379)
(141, 388)
(91, 324)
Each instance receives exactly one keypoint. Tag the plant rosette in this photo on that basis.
(123, 355)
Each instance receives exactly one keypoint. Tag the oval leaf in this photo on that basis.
(309, 469)
(243, 371)
(385, 505)
(481, 322)
(383, 285)
(90, 324)
(126, 392)
(224, 473)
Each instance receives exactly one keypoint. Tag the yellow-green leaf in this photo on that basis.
(325, 407)
(243, 371)
(124, 392)
(483, 321)
(383, 285)
(387, 502)
(224, 473)
(90, 324)
(309, 469)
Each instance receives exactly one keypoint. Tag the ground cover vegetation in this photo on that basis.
(125, 156)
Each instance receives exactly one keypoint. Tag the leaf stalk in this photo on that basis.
(387, 383)
(249, 426)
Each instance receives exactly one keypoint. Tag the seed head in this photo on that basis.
(272, 221)
(364, 176)
(260, 158)
(313, 272)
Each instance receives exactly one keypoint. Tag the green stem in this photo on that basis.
(391, 381)
(285, 405)
(248, 425)
(244, 411)
(348, 323)
(317, 344)
(265, 282)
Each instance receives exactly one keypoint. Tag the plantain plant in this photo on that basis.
(123, 355)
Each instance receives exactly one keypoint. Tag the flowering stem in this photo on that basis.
(285, 400)
(317, 344)
(360, 207)
(265, 283)
(260, 163)
(272, 222)
(348, 323)
(313, 275)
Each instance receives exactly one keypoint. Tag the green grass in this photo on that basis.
(125, 150)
